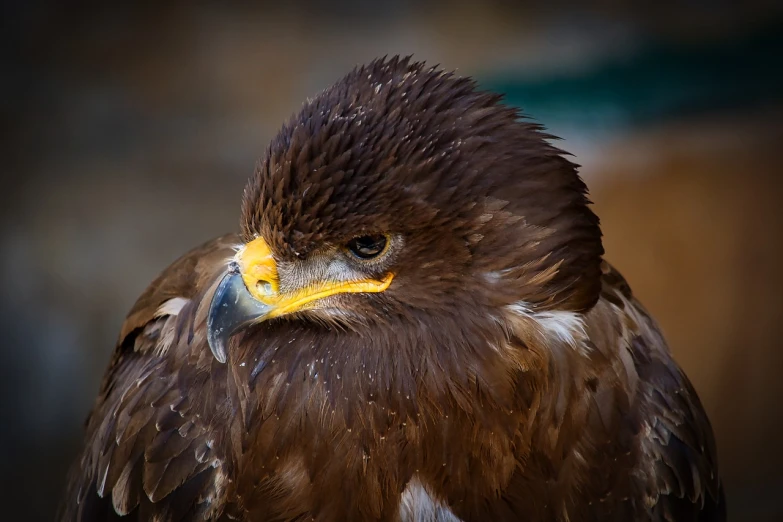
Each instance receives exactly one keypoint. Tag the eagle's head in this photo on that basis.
(404, 197)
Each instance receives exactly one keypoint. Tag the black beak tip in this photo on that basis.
(216, 344)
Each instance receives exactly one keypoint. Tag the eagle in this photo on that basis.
(415, 323)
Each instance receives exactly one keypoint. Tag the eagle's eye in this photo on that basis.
(368, 247)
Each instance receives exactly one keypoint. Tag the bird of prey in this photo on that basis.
(415, 323)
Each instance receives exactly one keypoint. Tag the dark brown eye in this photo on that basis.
(367, 247)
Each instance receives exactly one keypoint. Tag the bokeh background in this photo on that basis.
(130, 129)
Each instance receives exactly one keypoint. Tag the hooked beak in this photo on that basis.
(249, 293)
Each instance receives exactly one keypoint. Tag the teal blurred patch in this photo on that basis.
(659, 82)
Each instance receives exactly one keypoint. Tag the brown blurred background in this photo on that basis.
(129, 131)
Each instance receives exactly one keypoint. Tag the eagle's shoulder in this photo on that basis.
(677, 468)
(184, 279)
(155, 437)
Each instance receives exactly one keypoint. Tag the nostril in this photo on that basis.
(264, 287)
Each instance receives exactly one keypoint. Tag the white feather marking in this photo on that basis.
(172, 307)
(418, 504)
(567, 327)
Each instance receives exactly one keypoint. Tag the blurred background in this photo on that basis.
(129, 131)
